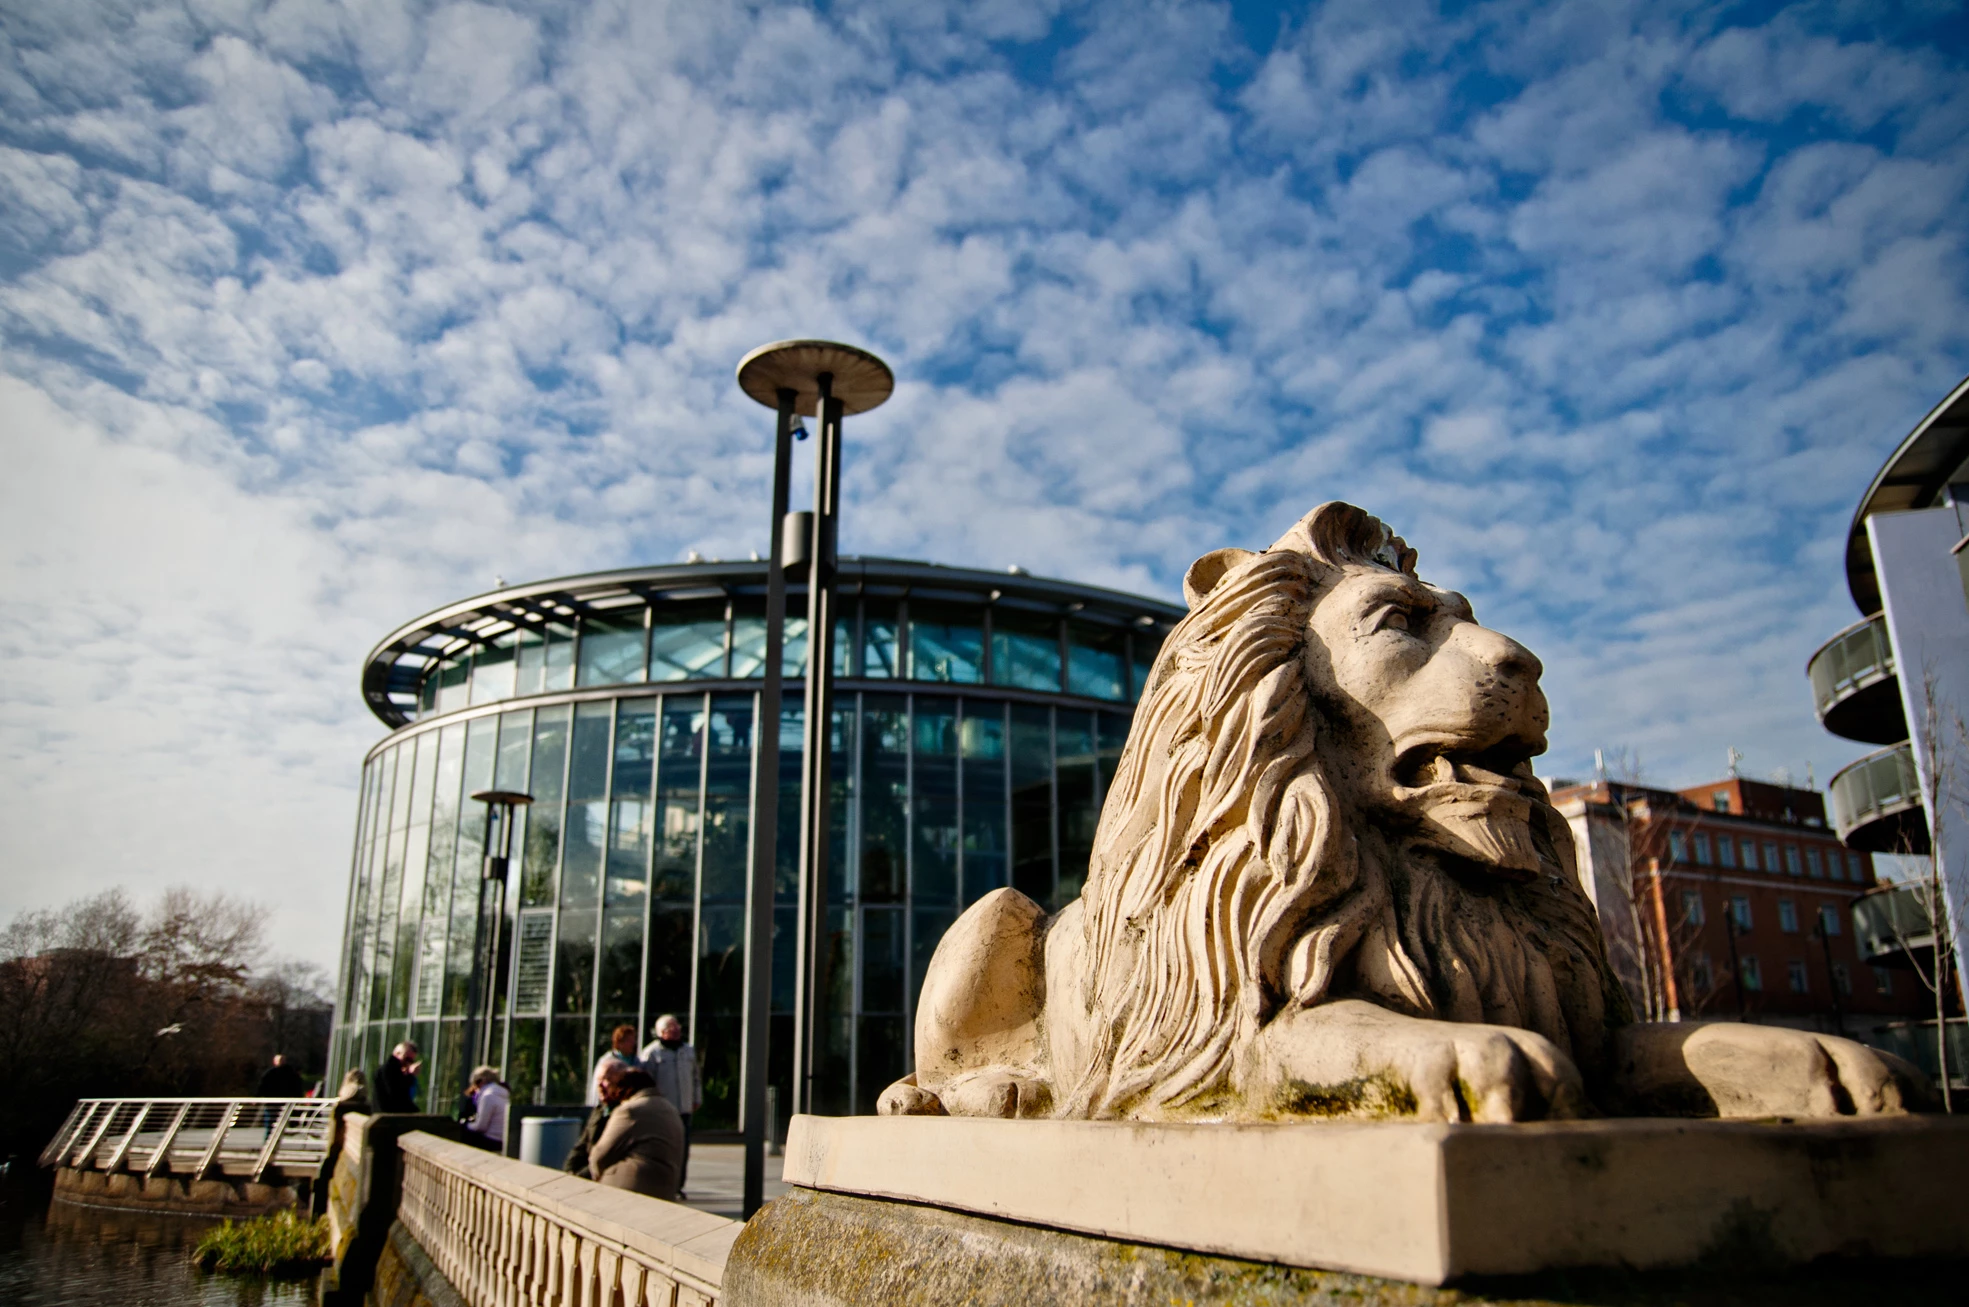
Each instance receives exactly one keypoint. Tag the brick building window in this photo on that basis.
(1791, 859)
(1828, 919)
(1750, 856)
(1726, 851)
(1740, 913)
(1753, 975)
(1678, 846)
(1795, 973)
(1840, 979)
(1883, 981)
(1855, 866)
(1700, 978)
(1787, 916)
(1770, 856)
(1813, 867)
(1691, 907)
(1721, 798)
(1702, 849)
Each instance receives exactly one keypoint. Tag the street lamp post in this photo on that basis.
(824, 380)
(501, 815)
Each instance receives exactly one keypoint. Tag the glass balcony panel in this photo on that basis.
(1875, 803)
(1853, 685)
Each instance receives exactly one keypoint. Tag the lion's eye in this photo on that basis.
(1392, 618)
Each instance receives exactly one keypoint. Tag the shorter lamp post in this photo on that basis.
(501, 815)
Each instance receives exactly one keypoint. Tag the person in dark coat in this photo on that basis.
(395, 1085)
(281, 1080)
(641, 1149)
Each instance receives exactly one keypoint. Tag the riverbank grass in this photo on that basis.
(283, 1243)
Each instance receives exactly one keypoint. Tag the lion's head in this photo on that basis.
(1328, 793)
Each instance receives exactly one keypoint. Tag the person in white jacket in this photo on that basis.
(490, 1098)
(672, 1063)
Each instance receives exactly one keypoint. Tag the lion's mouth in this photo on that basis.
(1432, 765)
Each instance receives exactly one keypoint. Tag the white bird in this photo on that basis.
(173, 1029)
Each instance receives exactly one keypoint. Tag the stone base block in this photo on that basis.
(1427, 1204)
(819, 1249)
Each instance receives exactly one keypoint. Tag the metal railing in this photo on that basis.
(194, 1138)
(1853, 687)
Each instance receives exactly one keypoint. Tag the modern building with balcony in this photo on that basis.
(977, 720)
(1899, 677)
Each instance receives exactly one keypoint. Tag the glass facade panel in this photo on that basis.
(548, 785)
(1032, 801)
(1078, 790)
(1097, 661)
(612, 648)
(687, 641)
(728, 799)
(587, 807)
(749, 639)
(946, 643)
(934, 833)
(981, 735)
(492, 671)
(631, 809)
(531, 661)
(1025, 649)
(881, 650)
(885, 798)
(1144, 643)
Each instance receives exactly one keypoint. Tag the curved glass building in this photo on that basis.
(977, 719)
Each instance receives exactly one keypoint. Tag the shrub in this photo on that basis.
(283, 1243)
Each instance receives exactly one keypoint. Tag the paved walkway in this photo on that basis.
(717, 1179)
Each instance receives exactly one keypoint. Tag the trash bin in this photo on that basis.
(545, 1140)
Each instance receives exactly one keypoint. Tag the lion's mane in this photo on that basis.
(1227, 882)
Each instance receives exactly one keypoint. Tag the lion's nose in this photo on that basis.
(1510, 658)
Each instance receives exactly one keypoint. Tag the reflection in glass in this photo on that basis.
(885, 796)
(574, 964)
(560, 659)
(946, 643)
(1025, 649)
(982, 733)
(532, 662)
(492, 671)
(1144, 642)
(543, 825)
(749, 640)
(621, 961)
(612, 647)
(1032, 801)
(1097, 665)
(687, 641)
(631, 805)
(1079, 795)
(881, 959)
(728, 799)
(934, 833)
(879, 648)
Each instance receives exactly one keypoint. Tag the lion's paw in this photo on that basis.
(1352, 1058)
(1731, 1069)
(904, 1098)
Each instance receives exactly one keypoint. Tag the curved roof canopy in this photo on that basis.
(393, 671)
(1926, 463)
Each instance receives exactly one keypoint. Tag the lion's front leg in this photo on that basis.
(1353, 1058)
(1730, 1069)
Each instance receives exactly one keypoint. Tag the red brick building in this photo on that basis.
(1732, 899)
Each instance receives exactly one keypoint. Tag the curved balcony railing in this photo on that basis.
(1892, 922)
(1875, 803)
(1854, 686)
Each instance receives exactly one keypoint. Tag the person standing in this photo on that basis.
(622, 1049)
(395, 1088)
(641, 1149)
(490, 1099)
(672, 1064)
(280, 1080)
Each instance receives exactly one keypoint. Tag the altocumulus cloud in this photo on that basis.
(316, 315)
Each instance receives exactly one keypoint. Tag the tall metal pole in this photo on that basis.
(816, 779)
(756, 1037)
(828, 380)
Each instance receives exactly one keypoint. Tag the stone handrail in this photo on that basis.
(511, 1234)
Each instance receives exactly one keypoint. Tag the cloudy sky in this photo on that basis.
(314, 316)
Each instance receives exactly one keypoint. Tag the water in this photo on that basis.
(57, 1254)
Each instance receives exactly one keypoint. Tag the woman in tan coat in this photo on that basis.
(642, 1146)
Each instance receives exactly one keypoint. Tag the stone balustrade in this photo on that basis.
(503, 1233)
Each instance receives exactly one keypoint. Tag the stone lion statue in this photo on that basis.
(1327, 883)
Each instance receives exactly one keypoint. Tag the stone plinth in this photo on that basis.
(1428, 1204)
